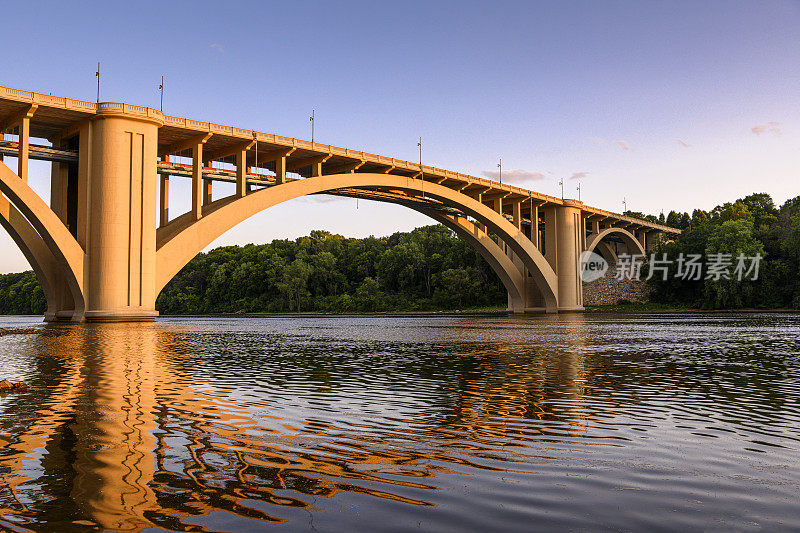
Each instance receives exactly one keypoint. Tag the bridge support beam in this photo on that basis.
(241, 173)
(207, 191)
(163, 208)
(569, 246)
(197, 180)
(121, 250)
(24, 147)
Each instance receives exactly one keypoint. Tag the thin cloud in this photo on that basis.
(578, 175)
(623, 145)
(683, 143)
(325, 198)
(218, 47)
(769, 127)
(513, 176)
(596, 140)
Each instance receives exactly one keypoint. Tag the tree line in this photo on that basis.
(750, 225)
(426, 269)
(430, 268)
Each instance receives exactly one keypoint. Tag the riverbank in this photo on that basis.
(482, 311)
(654, 307)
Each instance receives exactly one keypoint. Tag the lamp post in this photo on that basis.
(161, 90)
(579, 191)
(561, 182)
(97, 75)
(311, 118)
(500, 166)
(624, 205)
(421, 173)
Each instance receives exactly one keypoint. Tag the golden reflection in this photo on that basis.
(134, 438)
(517, 383)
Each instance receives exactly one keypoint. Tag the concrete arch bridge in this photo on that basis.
(106, 243)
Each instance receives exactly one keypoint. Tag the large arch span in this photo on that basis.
(183, 238)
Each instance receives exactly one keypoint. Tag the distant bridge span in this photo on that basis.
(105, 245)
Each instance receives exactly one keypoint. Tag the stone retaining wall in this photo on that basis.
(608, 291)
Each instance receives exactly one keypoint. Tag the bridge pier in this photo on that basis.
(119, 214)
(569, 244)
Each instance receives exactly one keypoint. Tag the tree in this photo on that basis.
(455, 281)
(733, 237)
(294, 285)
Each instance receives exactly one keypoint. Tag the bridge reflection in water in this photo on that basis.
(122, 429)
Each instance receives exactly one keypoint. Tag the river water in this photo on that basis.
(565, 423)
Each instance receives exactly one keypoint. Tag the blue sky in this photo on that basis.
(672, 105)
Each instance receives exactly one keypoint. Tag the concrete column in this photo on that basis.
(241, 173)
(24, 148)
(516, 210)
(121, 250)
(64, 304)
(58, 186)
(316, 170)
(583, 233)
(280, 170)
(207, 190)
(497, 205)
(550, 239)
(570, 226)
(652, 241)
(197, 178)
(163, 211)
(535, 227)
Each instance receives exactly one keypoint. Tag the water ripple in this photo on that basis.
(575, 422)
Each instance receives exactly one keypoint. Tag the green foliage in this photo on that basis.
(426, 269)
(749, 226)
(21, 294)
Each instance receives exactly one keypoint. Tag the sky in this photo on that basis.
(665, 105)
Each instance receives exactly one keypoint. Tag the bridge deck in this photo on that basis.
(57, 116)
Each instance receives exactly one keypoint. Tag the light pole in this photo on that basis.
(255, 167)
(97, 75)
(624, 205)
(421, 173)
(311, 118)
(561, 182)
(161, 90)
(500, 166)
(579, 191)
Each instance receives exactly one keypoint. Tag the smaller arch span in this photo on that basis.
(34, 249)
(631, 242)
(50, 248)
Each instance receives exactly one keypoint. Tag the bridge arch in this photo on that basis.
(44, 240)
(595, 241)
(183, 238)
(34, 249)
(491, 252)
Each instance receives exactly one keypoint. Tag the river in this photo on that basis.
(571, 422)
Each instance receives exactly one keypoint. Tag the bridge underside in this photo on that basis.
(106, 243)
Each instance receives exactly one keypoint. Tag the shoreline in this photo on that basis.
(487, 312)
(612, 309)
